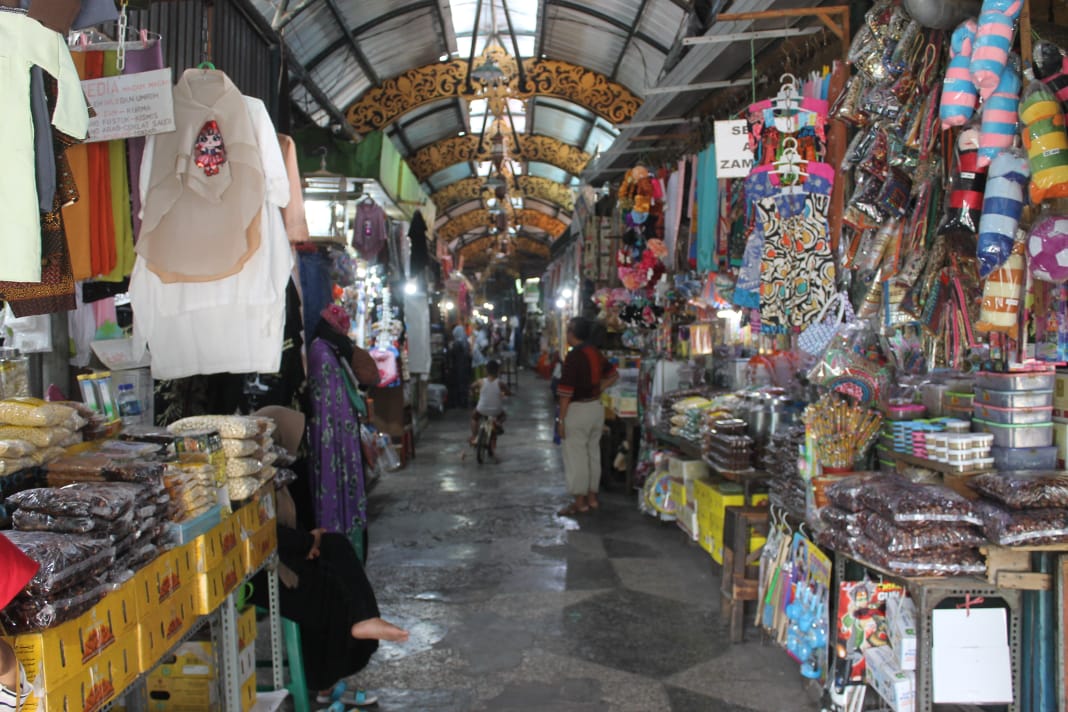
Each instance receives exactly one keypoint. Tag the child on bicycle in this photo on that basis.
(490, 399)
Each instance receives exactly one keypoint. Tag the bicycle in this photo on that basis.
(486, 440)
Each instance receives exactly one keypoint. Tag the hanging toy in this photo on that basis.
(1001, 114)
(959, 94)
(209, 152)
(969, 182)
(993, 42)
(1003, 204)
(1046, 143)
(1051, 68)
(1047, 247)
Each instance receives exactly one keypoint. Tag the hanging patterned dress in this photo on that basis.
(797, 273)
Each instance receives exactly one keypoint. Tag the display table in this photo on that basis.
(686, 447)
(164, 605)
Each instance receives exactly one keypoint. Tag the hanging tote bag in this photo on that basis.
(817, 335)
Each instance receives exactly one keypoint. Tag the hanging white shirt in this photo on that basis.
(233, 324)
(24, 43)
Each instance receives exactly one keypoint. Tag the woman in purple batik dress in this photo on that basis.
(335, 461)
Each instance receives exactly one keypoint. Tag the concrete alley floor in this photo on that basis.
(514, 608)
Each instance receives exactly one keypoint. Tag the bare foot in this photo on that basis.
(591, 498)
(378, 629)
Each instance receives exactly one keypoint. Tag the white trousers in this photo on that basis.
(582, 446)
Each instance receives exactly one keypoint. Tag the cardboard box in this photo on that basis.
(215, 585)
(210, 549)
(897, 687)
(971, 662)
(259, 546)
(246, 628)
(169, 575)
(901, 625)
(97, 683)
(58, 654)
(677, 491)
(686, 518)
(191, 659)
(248, 693)
(160, 631)
(182, 694)
(687, 469)
(712, 502)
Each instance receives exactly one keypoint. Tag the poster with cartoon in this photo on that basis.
(862, 620)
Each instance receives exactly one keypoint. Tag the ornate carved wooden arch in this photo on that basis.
(528, 246)
(380, 106)
(460, 149)
(470, 189)
(482, 218)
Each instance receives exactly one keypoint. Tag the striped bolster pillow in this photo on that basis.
(993, 42)
(1002, 206)
(1046, 143)
(1001, 114)
(958, 92)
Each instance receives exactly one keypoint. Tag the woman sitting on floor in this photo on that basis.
(324, 589)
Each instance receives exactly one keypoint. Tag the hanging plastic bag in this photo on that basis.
(817, 335)
(1003, 205)
(965, 204)
(1046, 142)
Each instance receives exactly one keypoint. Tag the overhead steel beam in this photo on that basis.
(753, 35)
(350, 40)
(698, 86)
(630, 37)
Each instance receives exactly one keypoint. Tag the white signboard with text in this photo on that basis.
(733, 157)
(130, 105)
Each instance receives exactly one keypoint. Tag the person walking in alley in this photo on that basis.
(586, 374)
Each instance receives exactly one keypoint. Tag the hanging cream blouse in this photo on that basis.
(24, 43)
(206, 187)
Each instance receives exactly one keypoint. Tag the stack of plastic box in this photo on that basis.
(1017, 409)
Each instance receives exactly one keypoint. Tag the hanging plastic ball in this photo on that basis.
(1047, 248)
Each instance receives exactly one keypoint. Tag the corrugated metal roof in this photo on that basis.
(312, 31)
(573, 37)
(544, 170)
(396, 46)
(455, 172)
(435, 122)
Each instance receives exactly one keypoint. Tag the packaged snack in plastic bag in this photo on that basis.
(959, 95)
(239, 427)
(242, 467)
(239, 448)
(30, 521)
(842, 520)
(1024, 490)
(915, 506)
(1024, 527)
(26, 614)
(846, 493)
(895, 540)
(34, 413)
(1003, 204)
(242, 487)
(65, 559)
(10, 449)
(1003, 293)
(37, 436)
(17, 464)
(77, 500)
(958, 562)
(1046, 142)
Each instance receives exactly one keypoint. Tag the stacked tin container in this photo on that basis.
(1017, 409)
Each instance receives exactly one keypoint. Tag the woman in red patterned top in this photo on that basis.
(586, 375)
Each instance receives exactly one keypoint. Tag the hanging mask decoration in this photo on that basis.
(209, 150)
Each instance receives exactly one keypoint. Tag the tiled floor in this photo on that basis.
(513, 608)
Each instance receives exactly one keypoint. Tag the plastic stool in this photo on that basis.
(298, 686)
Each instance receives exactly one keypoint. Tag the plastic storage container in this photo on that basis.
(1019, 381)
(1013, 416)
(1037, 435)
(14, 373)
(1014, 399)
(953, 399)
(1025, 458)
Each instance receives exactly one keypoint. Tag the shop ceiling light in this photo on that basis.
(410, 287)
(567, 293)
(561, 303)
